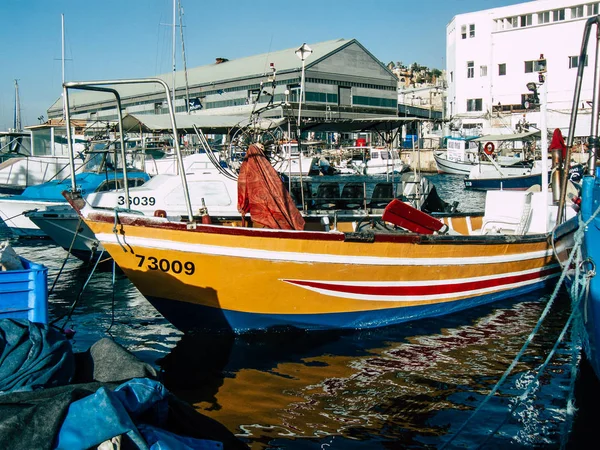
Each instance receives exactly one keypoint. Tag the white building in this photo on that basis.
(492, 54)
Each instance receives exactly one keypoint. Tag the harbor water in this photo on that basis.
(407, 386)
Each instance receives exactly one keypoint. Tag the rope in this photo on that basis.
(112, 319)
(66, 258)
(115, 229)
(72, 307)
(534, 382)
(20, 214)
(578, 237)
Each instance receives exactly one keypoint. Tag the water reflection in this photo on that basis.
(409, 385)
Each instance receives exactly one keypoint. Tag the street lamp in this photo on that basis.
(303, 52)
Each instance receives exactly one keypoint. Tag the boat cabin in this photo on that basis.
(462, 149)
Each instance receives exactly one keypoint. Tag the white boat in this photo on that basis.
(375, 160)
(47, 160)
(289, 160)
(464, 153)
(99, 175)
(163, 195)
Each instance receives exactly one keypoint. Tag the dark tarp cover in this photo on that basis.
(32, 356)
(261, 193)
(87, 411)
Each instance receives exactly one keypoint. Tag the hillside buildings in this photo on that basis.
(493, 54)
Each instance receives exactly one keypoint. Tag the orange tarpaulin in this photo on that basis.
(261, 193)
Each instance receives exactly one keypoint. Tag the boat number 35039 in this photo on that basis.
(144, 201)
(166, 265)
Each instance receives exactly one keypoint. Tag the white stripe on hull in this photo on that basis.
(251, 253)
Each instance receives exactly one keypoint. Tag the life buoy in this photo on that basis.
(489, 148)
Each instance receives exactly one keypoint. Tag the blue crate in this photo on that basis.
(24, 293)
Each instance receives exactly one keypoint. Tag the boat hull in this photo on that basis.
(64, 226)
(243, 279)
(517, 183)
(590, 304)
(13, 213)
(452, 167)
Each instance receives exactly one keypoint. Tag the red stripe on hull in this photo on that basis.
(425, 290)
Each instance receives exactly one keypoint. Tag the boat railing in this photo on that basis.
(108, 87)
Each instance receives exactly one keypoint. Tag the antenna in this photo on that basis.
(17, 118)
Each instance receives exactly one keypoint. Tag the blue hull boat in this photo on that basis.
(589, 304)
(24, 293)
(39, 197)
(515, 183)
(584, 254)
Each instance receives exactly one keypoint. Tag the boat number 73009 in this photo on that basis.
(166, 265)
(144, 201)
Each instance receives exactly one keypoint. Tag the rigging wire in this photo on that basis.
(66, 257)
(578, 237)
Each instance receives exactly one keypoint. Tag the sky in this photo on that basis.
(133, 38)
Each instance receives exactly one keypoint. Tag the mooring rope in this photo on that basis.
(112, 308)
(72, 307)
(66, 257)
(578, 239)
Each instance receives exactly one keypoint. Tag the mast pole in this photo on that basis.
(187, 89)
(174, 38)
(17, 121)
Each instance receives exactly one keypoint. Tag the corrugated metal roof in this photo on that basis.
(208, 124)
(242, 68)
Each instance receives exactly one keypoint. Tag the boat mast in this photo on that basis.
(17, 118)
(187, 90)
(174, 65)
(62, 34)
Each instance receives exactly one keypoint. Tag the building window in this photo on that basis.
(526, 20)
(451, 77)
(463, 31)
(512, 22)
(592, 9)
(544, 17)
(472, 30)
(500, 24)
(483, 71)
(574, 61)
(577, 12)
(474, 104)
(502, 69)
(558, 14)
(470, 69)
(528, 66)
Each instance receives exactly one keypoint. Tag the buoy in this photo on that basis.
(489, 148)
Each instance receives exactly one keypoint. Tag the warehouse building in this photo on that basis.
(343, 80)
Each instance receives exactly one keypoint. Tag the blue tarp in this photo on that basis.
(136, 409)
(42, 408)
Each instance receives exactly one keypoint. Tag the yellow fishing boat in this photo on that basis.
(241, 276)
